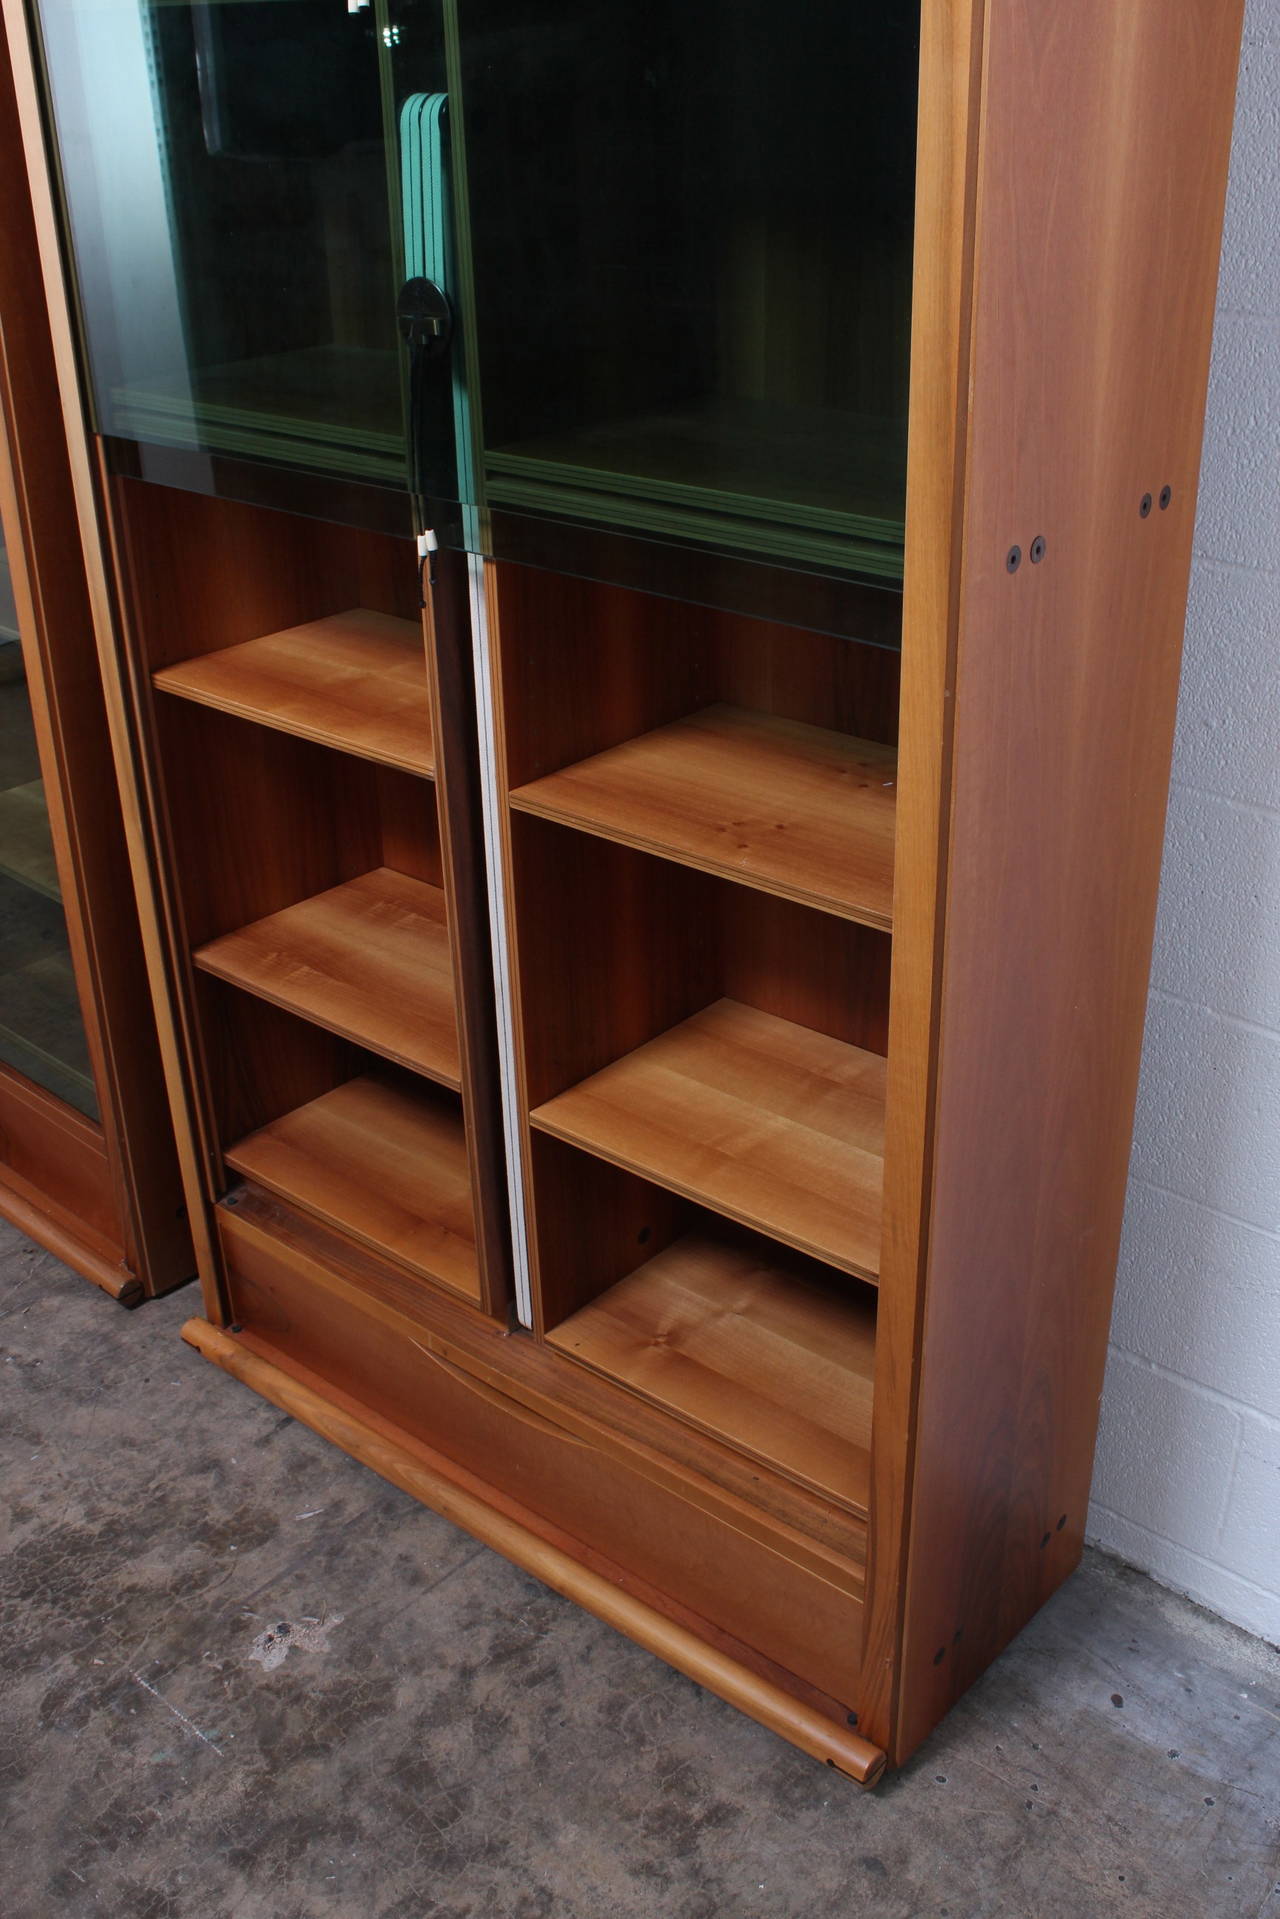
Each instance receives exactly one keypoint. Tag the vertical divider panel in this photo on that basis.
(947, 160)
(461, 714)
(459, 618)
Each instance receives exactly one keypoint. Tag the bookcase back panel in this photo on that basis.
(262, 1061)
(585, 667)
(594, 1223)
(261, 820)
(616, 946)
(209, 573)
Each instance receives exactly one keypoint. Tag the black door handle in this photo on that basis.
(425, 318)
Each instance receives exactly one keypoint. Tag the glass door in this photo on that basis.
(690, 234)
(41, 1027)
(232, 182)
(661, 252)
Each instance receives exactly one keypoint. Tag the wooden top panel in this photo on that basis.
(356, 681)
(382, 1163)
(759, 1348)
(369, 960)
(768, 1122)
(795, 810)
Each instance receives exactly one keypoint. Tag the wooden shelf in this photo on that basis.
(356, 681)
(760, 1348)
(369, 960)
(776, 1126)
(795, 810)
(383, 1163)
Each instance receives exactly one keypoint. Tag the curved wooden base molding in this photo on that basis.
(69, 1245)
(407, 1465)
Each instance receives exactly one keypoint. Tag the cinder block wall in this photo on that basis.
(1187, 1484)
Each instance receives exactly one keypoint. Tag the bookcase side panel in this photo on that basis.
(946, 175)
(1103, 161)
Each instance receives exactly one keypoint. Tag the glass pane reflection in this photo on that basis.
(676, 240)
(41, 1029)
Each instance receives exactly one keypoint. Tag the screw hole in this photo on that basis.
(644, 1235)
(1166, 497)
(1037, 549)
(940, 1655)
(1062, 1522)
(1145, 508)
(1045, 1541)
(1014, 560)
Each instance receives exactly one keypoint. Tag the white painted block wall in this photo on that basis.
(1187, 1484)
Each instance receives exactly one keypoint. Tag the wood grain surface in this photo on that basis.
(356, 680)
(759, 1502)
(797, 810)
(383, 1161)
(947, 157)
(764, 1349)
(672, 1506)
(770, 1123)
(447, 635)
(1104, 155)
(584, 667)
(693, 1645)
(369, 960)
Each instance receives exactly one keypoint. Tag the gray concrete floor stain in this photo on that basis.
(446, 1739)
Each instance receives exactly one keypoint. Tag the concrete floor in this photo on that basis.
(243, 1677)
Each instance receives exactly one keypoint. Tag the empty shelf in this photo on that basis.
(369, 960)
(383, 1163)
(795, 810)
(356, 681)
(756, 1346)
(770, 1123)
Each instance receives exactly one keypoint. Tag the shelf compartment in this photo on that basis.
(356, 681)
(765, 1121)
(384, 1162)
(369, 960)
(796, 810)
(761, 1348)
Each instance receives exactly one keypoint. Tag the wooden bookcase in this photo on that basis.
(654, 1070)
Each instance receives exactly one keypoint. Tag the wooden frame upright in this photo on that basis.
(104, 1195)
(1071, 177)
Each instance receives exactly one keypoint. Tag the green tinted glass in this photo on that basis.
(41, 1028)
(231, 180)
(675, 238)
(690, 233)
